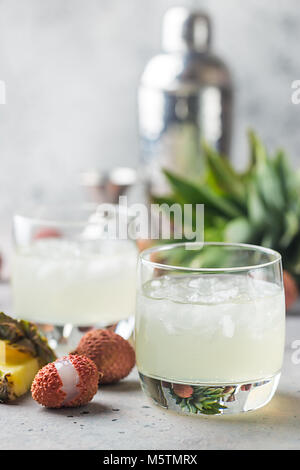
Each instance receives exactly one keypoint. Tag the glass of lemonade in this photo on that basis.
(210, 326)
(74, 268)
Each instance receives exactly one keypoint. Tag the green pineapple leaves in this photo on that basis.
(223, 179)
(259, 206)
(188, 193)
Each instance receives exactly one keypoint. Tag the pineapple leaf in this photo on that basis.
(239, 230)
(269, 185)
(291, 228)
(258, 153)
(257, 211)
(223, 175)
(286, 176)
(189, 193)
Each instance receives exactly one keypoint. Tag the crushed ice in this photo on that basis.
(209, 289)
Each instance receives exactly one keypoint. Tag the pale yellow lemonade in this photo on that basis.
(225, 329)
(58, 281)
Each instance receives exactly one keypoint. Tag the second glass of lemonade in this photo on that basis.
(210, 326)
(74, 268)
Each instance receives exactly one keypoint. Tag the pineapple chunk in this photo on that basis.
(23, 351)
(16, 378)
(11, 355)
(2, 351)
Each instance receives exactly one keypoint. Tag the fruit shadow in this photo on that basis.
(129, 385)
(91, 409)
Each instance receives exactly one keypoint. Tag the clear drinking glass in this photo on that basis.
(74, 268)
(210, 326)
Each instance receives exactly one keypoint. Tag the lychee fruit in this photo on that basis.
(113, 355)
(47, 233)
(68, 382)
(183, 391)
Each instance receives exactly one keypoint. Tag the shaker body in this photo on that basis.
(184, 97)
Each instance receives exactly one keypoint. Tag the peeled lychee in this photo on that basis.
(113, 355)
(68, 382)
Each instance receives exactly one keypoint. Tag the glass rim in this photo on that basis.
(27, 213)
(257, 248)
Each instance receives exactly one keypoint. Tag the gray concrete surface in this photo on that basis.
(121, 417)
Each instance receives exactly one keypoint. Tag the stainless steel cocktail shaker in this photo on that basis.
(185, 95)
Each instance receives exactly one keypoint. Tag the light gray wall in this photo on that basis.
(72, 67)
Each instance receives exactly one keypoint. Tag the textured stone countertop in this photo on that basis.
(121, 417)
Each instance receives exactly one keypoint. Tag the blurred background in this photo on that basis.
(72, 70)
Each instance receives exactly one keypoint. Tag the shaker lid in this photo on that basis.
(185, 29)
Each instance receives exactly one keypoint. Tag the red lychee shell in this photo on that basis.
(47, 386)
(113, 355)
(183, 391)
(47, 233)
